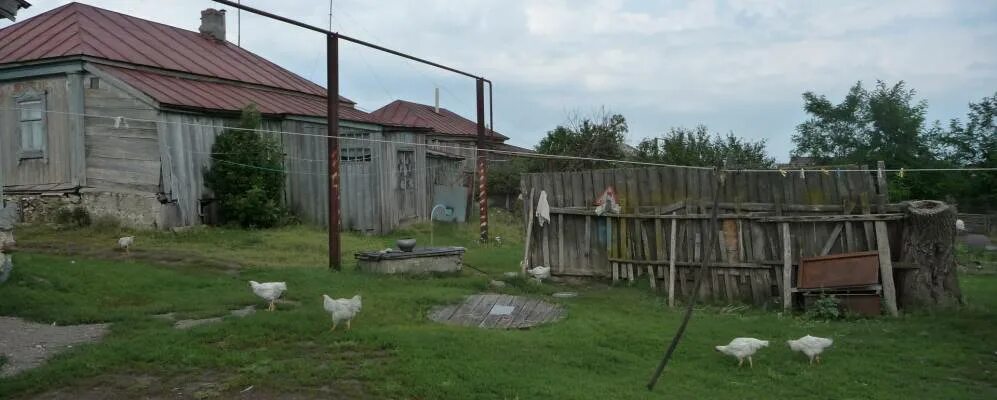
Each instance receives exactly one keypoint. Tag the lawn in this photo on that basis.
(607, 346)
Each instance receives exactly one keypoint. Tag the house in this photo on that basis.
(449, 132)
(118, 115)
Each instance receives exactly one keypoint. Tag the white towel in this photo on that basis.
(543, 209)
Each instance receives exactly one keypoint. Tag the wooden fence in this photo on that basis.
(767, 222)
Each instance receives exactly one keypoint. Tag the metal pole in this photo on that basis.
(332, 69)
(482, 163)
(344, 37)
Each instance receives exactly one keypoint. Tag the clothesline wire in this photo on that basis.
(347, 137)
(784, 171)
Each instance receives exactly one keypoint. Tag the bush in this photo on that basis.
(824, 308)
(75, 217)
(247, 175)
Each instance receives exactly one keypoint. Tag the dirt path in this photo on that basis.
(27, 345)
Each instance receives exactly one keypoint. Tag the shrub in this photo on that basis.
(247, 175)
(74, 217)
(824, 308)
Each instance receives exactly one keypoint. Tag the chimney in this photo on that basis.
(213, 24)
(437, 100)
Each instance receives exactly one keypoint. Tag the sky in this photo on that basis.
(734, 66)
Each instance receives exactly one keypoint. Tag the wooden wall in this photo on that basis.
(56, 168)
(748, 249)
(126, 156)
(306, 161)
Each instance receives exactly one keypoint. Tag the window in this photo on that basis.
(355, 154)
(94, 83)
(31, 111)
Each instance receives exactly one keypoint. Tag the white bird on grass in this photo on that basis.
(126, 243)
(742, 348)
(341, 309)
(812, 346)
(539, 273)
(269, 291)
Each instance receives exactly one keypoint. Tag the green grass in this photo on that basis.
(606, 348)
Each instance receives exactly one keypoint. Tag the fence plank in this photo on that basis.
(671, 264)
(787, 268)
(886, 268)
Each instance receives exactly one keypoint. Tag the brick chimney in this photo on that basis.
(213, 24)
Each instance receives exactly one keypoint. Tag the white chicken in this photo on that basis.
(812, 346)
(960, 226)
(341, 309)
(539, 273)
(126, 243)
(269, 291)
(742, 348)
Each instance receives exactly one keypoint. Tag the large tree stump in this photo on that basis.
(929, 243)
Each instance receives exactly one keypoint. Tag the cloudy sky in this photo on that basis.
(737, 66)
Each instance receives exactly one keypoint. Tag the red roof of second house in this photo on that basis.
(446, 122)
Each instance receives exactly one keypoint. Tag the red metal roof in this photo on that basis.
(201, 94)
(445, 122)
(80, 29)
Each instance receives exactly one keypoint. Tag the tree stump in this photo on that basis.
(929, 243)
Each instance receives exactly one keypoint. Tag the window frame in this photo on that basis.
(42, 151)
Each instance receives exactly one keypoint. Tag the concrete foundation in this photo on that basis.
(420, 261)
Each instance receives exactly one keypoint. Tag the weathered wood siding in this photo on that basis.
(748, 252)
(307, 164)
(403, 187)
(56, 167)
(124, 156)
(461, 147)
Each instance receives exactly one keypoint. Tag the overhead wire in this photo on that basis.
(438, 146)
(432, 146)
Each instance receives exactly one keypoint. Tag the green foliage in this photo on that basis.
(682, 146)
(885, 124)
(599, 136)
(825, 308)
(246, 175)
(973, 144)
(72, 217)
(504, 177)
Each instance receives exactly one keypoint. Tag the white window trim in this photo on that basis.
(32, 95)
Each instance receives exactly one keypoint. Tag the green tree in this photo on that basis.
(683, 146)
(599, 136)
(246, 174)
(973, 144)
(885, 124)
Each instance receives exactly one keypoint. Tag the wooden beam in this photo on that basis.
(831, 239)
(529, 234)
(787, 268)
(886, 268)
(646, 252)
(830, 218)
(671, 265)
(560, 243)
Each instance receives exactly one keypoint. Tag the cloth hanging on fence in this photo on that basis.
(606, 203)
(543, 209)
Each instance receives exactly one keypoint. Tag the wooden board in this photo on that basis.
(476, 311)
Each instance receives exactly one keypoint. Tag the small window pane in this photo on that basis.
(39, 135)
(30, 110)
